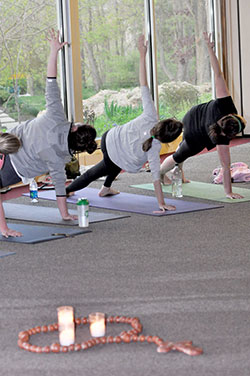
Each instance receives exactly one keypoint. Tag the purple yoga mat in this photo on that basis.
(130, 202)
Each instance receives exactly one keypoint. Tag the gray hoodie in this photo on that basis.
(44, 142)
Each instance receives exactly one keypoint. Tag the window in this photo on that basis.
(23, 57)
(110, 61)
(184, 74)
(179, 71)
(109, 56)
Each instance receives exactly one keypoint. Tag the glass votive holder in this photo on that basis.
(97, 324)
(66, 325)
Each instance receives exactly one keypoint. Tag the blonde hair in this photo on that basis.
(9, 143)
(242, 120)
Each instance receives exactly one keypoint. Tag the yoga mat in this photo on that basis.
(203, 190)
(37, 234)
(43, 214)
(5, 253)
(128, 202)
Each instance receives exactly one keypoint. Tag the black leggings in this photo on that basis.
(104, 168)
(8, 175)
(185, 151)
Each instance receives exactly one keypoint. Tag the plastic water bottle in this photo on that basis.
(33, 191)
(176, 177)
(83, 212)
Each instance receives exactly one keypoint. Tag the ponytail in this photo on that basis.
(214, 132)
(9, 143)
(147, 144)
(164, 131)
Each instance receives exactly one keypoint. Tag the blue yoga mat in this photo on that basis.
(37, 234)
(131, 202)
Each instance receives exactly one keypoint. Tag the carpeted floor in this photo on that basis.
(185, 276)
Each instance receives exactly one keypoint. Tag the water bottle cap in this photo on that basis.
(82, 201)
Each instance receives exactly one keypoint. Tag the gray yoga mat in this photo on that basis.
(132, 203)
(43, 214)
(37, 234)
(5, 253)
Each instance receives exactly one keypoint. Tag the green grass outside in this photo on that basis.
(120, 115)
(30, 106)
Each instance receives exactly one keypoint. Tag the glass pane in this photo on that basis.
(184, 74)
(23, 57)
(110, 61)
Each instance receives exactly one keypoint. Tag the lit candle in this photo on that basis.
(97, 324)
(66, 325)
(67, 336)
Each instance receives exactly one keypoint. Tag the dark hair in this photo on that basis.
(83, 139)
(230, 125)
(165, 131)
(9, 143)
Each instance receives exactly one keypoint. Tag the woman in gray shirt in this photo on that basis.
(44, 144)
(129, 146)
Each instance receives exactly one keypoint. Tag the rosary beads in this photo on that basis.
(132, 335)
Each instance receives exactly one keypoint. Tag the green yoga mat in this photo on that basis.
(203, 190)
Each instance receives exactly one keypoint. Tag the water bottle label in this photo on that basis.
(33, 194)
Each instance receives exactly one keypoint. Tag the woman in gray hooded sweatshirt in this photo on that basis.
(44, 144)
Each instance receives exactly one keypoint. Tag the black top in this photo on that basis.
(199, 118)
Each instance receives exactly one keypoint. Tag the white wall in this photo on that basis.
(239, 52)
(245, 58)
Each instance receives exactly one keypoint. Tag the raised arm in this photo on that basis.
(220, 83)
(142, 47)
(54, 107)
(55, 46)
(147, 102)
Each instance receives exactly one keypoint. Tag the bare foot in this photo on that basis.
(107, 191)
(165, 179)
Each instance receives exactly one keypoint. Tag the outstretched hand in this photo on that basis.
(53, 38)
(208, 39)
(142, 45)
(70, 217)
(8, 232)
(164, 208)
